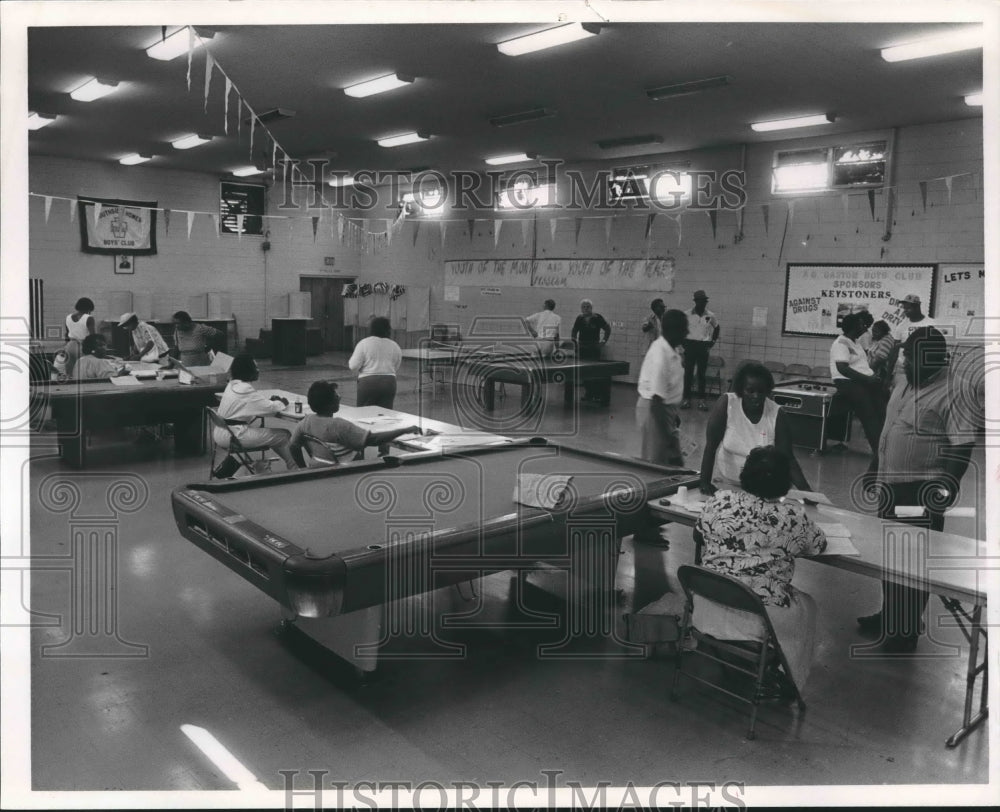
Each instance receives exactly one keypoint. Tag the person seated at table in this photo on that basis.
(147, 343)
(752, 536)
(240, 405)
(95, 362)
(341, 435)
(193, 341)
(742, 420)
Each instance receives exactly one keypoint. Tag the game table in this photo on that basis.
(531, 375)
(342, 548)
(949, 566)
(80, 406)
(816, 413)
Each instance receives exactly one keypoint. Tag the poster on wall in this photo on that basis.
(117, 226)
(961, 300)
(817, 297)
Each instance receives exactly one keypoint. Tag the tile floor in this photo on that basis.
(210, 657)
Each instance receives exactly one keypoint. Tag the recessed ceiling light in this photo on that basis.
(134, 158)
(965, 40)
(399, 140)
(792, 123)
(93, 89)
(339, 182)
(380, 85)
(974, 99)
(176, 44)
(500, 160)
(246, 171)
(38, 120)
(189, 141)
(546, 39)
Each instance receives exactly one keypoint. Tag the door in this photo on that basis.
(327, 303)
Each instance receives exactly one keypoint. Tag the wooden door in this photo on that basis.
(327, 305)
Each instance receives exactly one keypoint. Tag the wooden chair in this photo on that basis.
(752, 657)
(713, 374)
(325, 453)
(236, 449)
(797, 371)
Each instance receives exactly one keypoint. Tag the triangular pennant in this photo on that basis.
(444, 231)
(649, 224)
(72, 211)
(497, 225)
(239, 117)
(388, 232)
(525, 228)
(190, 222)
(166, 221)
(871, 202)
(315, 226)
(948, 182)
(225, 114)
(416, 231)
(680, 232)
(48, 207)
(209, 62)
(608, 222)
(472, 228)
(253, 125)
(333, 223)
(190, 55)
(97, 213)
(553, 223)
(890, 204)
(713, 216)
(923, 193)
(765, 209)
(215, 226)
(576, 229)
(274, 154)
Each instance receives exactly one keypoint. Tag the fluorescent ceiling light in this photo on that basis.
(246, 171)
(522, 117)
(973, 99)
(134, 158)
(399, 140)
(38, 120)
(341, 181)
(380, 85)
(189, 141)
(686, 88)
(93, 89)
(545, 39)
(630, 141)
(175, 45)
(500, 160)
(792, 123)
(963, 40)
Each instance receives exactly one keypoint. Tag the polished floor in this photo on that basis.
(173, 638)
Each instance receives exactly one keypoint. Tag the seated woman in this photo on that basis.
(240, 404)
(343, 435)
(744, 419)
(95, 361)
(753, 537)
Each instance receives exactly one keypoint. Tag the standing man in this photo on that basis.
(865, 342)
(854, 378)
(651, 327)
(923, 453)
(545, 325)
(913, 318)
(591, 332)
(661, 387)
(147, 343)
(703, 332)
(193, 341)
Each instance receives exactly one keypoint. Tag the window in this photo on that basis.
(667, 186)
(241, 198)
(429, 201)
(525, 194)
(844, 166)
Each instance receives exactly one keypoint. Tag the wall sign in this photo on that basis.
(817, 297)
(602, 274)
(117, 226)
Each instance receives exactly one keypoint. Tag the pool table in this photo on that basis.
(341, 549)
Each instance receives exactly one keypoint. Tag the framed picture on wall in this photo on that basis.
(124, 263)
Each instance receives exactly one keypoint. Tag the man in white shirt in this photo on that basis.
(855, 380)
(661, 387)
(148, 343)
(545, 325)
(913, 318)
(703, 332)
(651, 327)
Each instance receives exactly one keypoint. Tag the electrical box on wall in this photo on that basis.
(329, 261)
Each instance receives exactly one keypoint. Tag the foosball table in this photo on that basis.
(816, 412)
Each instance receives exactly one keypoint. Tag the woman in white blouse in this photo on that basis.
(376, 360)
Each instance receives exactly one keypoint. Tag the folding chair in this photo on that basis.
(753, 656)
(326, 453)
(793, 371)
(776, 368)
(821, 373)
(236, 449)
(713, 374)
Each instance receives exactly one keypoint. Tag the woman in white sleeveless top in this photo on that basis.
(744, 419)
(79, 325)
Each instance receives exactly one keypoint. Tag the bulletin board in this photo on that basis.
(817, 297)
(961, 299)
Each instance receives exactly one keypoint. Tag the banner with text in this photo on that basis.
(581, 274)
(117, 226)
(817, 297)
(961, 300)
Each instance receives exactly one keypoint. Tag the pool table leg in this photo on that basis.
(353, 637)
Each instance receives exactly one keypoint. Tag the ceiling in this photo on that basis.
(595, 86)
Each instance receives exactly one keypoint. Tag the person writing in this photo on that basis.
(95, 363)
(79, 325)
(661, 384)
(240, 405)
(751, 535)
(193, 341)
(376, 360)
(342, 436)
(742, 420)
(854, 378)
(147, 343)
(545, 325)
(591, 332)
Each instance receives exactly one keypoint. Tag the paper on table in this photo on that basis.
(834, 529)
(541, 490)
(812, 496)
(839, 545)
(125, 380)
